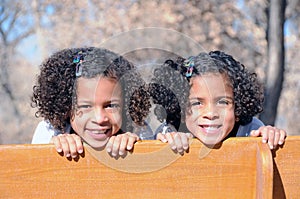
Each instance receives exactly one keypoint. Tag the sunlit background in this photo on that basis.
(31, 30)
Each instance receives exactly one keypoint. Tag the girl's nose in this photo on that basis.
(210, 112)
(100, 115)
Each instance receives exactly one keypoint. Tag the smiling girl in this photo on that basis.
(223, 98)
(87, 94)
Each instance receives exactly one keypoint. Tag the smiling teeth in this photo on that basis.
(211, 128)
(100, 132)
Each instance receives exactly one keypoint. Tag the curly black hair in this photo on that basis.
(247, 90)
(169, 90)
(55, 91)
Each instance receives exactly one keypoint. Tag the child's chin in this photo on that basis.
(209, 141)
(98, 145)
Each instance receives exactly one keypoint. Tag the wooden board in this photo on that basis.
(287, 169)
(239, 168)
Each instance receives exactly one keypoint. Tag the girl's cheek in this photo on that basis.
(117, 118)
(195, 113)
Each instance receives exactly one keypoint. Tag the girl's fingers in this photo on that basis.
(276, 137)
(131, 141)
(264, 134)
(71, 140)
(161, 137)
(79, 144)
(254, 133)
(189, 135)
(185, 140)
(55, 140)
(178, 143)
(271, 137)
(170, 140)
(282, 137)
(109, 144)
(65, 145)
(123, 144)
(115, 146)
(69, 144)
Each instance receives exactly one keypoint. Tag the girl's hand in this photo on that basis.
(119, 144)
(179, 142)
(68, 144)
(271, 135)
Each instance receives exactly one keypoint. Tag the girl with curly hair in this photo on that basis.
(223, 98)
(167, 91)
(88, 94)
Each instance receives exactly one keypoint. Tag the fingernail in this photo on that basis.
(164, 140)
(80, 151)
(59, 150)
(108, 150)
(68, 155)
(129, 147)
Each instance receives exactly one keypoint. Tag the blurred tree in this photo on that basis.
(14, 28)
(276, 55)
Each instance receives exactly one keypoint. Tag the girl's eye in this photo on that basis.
(84, 107)
(225, 102)
(195, 103)
(113, 105)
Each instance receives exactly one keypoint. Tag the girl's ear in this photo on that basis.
(72, 115)
(237, 119)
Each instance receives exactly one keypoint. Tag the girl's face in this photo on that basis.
(210, 116)
(99, 110)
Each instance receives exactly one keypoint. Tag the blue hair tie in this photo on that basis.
(78, 61)
(189, 64)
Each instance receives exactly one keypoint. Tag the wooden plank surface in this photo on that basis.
(240, 168)
(287, 169)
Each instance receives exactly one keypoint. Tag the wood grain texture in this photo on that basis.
(237, 168)
(287, 169)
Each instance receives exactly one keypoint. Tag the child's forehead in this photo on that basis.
(98, 82)
(210, 80)
(212, 76)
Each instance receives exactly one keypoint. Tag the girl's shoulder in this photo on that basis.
(44, 132)
(244, 130)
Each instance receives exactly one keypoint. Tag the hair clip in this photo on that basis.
(190, 66)
(78, 61)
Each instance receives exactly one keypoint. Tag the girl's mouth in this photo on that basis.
(210, 129)
(99, 134)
